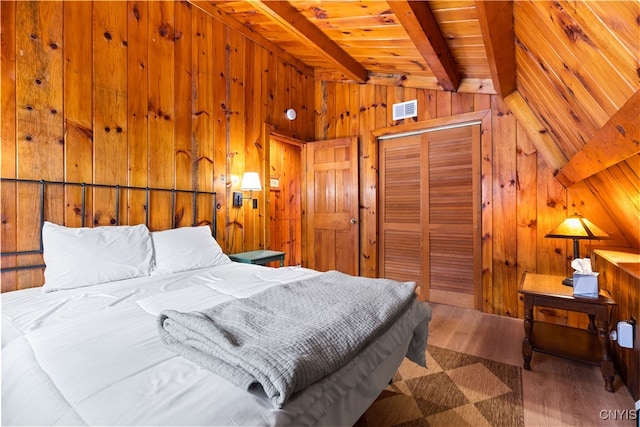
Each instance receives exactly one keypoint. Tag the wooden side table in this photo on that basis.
(587, 345)
(258, 257)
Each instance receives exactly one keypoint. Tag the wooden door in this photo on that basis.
(430, 213)
(285, 197)
(453, 216)
(402, 195)
(331, 226)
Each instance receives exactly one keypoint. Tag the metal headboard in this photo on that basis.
(43, 185)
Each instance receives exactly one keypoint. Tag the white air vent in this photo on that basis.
(403, 110)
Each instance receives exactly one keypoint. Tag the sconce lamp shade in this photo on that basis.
(250, 181)
(578, 227)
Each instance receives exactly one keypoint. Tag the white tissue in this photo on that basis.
(585, 281)
(583, 266)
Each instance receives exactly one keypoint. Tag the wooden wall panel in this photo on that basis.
(8, 128)
(253, 231)
(526, 214)
(109, 106)
(135, 93)
(236, 138)
(486, 213)
(215, 38)
(78, 99)
(183, 112)
(161, 108)
(137, 106)
(368, 156)
(39, 118)
(618, 190)
(620, 274)
(504, 211)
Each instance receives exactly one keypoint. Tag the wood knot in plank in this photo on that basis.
(166, 31)
(575, 33)
(136, 12)
(320, 13)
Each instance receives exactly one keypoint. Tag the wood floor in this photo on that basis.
(556, 391)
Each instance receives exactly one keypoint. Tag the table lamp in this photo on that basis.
(577, 227)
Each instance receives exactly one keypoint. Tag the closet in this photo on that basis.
(430, 212)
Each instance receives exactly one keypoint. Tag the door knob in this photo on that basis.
(353, 220)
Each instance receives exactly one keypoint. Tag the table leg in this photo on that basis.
(527, 348)
(606, 364)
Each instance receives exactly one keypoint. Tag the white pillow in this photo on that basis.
(77, 257)
(186, 248)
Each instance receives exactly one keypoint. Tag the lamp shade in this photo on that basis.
(577, 227)
(250, 181)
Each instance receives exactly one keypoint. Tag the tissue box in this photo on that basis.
(585, 285)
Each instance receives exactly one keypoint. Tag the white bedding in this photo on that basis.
(92, 356)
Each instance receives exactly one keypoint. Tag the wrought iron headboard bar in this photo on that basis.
(83, 185)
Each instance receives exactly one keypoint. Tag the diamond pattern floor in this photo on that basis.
(455, 389)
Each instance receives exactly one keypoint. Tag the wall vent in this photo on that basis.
(403, 110)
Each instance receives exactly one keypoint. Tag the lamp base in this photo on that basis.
(568, 281)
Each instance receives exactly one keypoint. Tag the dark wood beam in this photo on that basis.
(496, 24)
(422, 27)
(616, 141)
(289, 18)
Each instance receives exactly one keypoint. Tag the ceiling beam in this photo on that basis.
(289, 18)
(545, 146)
(496, 24)
(616, 141)
(217, 13)
(467, 85)
(423, 29)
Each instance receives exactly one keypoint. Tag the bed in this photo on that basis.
(87, 347)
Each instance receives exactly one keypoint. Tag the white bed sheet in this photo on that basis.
(30, 309)
(102, 362)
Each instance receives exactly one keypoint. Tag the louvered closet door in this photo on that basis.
(453, 215)
(402, 194)
(430, 211)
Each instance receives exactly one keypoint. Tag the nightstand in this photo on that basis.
(258, 257)
(587, 345)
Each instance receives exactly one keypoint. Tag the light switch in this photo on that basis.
(237, 199)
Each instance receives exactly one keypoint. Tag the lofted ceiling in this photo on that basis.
(435, 45)
(568, 70)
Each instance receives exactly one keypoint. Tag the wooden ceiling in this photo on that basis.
(434, 45)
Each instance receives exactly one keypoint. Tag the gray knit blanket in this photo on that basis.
(287, 337)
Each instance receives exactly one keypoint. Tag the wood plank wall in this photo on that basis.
(521, 199)
(138, 93)
(620, 273)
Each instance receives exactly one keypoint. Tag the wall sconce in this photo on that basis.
(577, 227)
(291, 114)
(250, 182)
